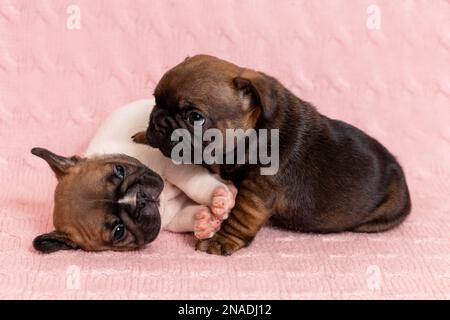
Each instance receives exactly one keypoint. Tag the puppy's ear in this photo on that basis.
(59, 164)
(261, 89)
(140, 137)
(53, 241)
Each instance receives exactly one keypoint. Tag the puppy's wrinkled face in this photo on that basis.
(102, 203)
(209, 92)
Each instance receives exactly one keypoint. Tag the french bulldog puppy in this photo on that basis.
(121, 193)
(332, 177)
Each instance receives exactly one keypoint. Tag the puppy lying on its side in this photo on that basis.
(114, 198)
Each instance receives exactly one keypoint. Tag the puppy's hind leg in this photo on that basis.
(392, 211)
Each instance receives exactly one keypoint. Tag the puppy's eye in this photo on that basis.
(196, 118)
(119, 171)
(118, 232)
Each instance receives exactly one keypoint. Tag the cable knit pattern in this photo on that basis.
(57, 84)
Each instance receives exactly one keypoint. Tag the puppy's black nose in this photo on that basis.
(152, 186)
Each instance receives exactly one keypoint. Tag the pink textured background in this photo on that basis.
(56, 86)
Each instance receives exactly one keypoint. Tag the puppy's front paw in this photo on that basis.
(219, 245)
(206, 224)
(223, 199)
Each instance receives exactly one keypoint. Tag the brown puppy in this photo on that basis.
(332, 176)
(89, 213)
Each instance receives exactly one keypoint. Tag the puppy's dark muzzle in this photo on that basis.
(141, 190)
(160, 129)
(159, 120)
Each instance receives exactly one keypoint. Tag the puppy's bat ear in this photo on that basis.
(260, 87)
(53, 241)
(140, 137)
(59, 164)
